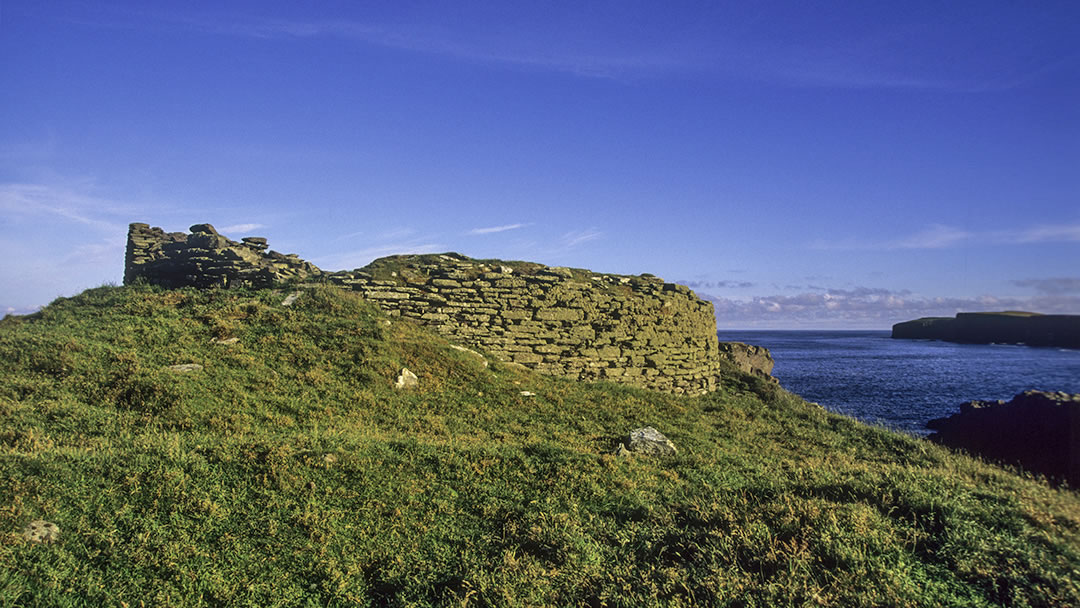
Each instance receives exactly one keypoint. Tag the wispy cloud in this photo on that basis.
(1052, 286)
(517, 44)
(937, 236)
(62, 202)
(555, 249)
(61, 238)
(717, 284)
(238, 228)
(494, 229)
(577, 237)
(359, 258)
(940, 236)
(468, 46)
(1045, 233)
(394, 234)
(350, 235)
(782, 45)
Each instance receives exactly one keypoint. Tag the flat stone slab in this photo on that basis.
(41, 531)
(650, 442)
(184, 368)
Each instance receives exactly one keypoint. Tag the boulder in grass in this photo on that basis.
(406, 379)
(649, 442)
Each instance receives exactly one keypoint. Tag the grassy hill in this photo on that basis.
(289, 471)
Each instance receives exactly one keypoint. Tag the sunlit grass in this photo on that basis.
(290, 472)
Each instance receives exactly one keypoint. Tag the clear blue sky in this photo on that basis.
(803, 164)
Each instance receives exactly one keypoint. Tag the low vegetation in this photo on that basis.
(289, 471)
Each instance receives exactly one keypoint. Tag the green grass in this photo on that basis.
(290, 472)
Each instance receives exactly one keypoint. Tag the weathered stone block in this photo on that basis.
(558, 314)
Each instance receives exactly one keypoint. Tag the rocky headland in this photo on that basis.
(1010, 327)
(1038, 430)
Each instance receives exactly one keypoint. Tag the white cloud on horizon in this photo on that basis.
(869, 307)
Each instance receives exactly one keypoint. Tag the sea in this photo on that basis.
(903, 384)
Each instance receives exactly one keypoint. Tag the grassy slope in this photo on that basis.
(289, 472)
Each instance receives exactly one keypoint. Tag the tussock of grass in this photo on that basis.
(290, 472)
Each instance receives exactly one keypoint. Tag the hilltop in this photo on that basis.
(286, 469)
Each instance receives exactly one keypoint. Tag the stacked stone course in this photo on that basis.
(636, 330)
(204, 258)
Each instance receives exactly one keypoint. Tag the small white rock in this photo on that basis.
(406, 379)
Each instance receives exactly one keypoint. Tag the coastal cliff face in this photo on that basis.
(751, 359)
(1001, 328)
(1037, 430)
(635, 330)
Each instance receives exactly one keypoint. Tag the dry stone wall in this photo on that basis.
(636, 330)
(204, 258)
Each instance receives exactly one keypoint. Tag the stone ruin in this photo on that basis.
(204, 258)
(635, 330)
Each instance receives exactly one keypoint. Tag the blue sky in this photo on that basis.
(804, 165)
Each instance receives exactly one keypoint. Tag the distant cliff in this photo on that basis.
(1009, 327)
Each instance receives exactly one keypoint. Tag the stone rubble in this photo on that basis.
(204, 258)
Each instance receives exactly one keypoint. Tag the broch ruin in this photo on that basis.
(636, 330)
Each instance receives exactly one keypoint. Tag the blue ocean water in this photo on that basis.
(903, 384)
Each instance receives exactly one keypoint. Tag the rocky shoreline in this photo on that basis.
(1037, 430)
